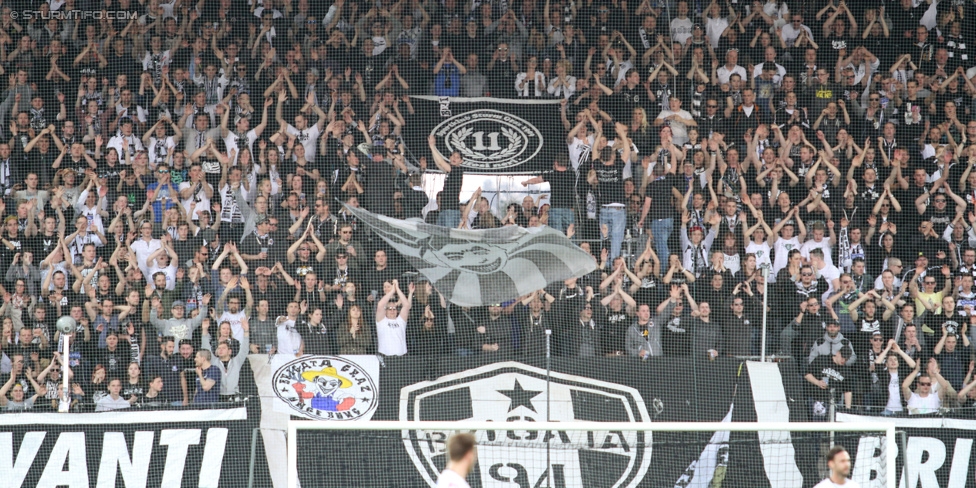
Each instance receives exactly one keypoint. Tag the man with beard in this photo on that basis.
(740, 323)
(614, 321)
(707, 338)
(178, 326)
(832, 342)
(839, 463)
(167, 365)
(495, 333)
(580, 338)
(533, 322)
(952, 357)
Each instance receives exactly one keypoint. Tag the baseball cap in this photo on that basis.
(179, 303)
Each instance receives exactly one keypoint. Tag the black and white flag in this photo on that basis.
(479, 267)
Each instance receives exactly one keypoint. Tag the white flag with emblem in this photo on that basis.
(478, 267)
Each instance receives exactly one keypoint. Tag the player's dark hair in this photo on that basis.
(459, 445)
(834, 451)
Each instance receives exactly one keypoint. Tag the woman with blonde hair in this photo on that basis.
(563, 85)
(639, 131)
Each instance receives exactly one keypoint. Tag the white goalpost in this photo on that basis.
(873, 456)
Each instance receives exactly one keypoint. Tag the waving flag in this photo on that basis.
(478, 267)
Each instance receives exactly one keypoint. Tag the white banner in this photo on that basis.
(338, 388)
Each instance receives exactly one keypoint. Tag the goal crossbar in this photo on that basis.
(888, 428)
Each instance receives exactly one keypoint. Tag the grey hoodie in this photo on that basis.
(827, 346)
(178, 328)
(635, 337)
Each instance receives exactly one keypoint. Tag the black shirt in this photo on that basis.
(451, 193)
(659, 191)
(562, 185)
(611, 186)
(836, 376)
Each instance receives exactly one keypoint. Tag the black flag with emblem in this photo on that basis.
(492, 135)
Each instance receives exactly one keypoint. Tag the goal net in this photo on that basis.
(589, 454)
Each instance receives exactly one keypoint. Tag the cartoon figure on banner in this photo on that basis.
(328, 387)
(325, 390)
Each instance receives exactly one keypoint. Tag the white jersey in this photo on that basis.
(391, 337)
(579, 151)
(826, 483)
(450, 479)
(159, 149)
(237, 332)
(783, 248)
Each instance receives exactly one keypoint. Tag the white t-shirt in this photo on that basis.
(894, 393)
(233, 142)
(450, 479)
(681, 29)
(391, 337)
(107, 404)
(829, 274)
(308, 137)
(679, 131)
(158, 149)
(723, 73)
(289, 340)
(203, 202)
(134, 143)
(762, 254)
(918, 405)
(826, 483)
(824, 244)
(169, 271)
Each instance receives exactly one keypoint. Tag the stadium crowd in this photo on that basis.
(175, 178)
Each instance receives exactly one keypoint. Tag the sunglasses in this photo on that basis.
(806, 274)
(874, 99)
(162, 171)
(924, 384)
